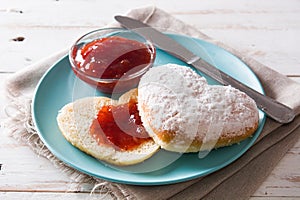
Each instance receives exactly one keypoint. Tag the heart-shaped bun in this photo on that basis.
(182, 113)
(75, 120)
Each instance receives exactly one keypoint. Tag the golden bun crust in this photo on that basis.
(74, 121)
(164, 139)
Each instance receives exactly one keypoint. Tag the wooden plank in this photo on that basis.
(284, 181)
(274, 198)
(17, 55)
(96, 12)
(37, 44)
(23, 170)
(82, 196)
(51, 196)
(295, 78)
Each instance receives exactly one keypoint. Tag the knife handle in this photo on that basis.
(271, 107)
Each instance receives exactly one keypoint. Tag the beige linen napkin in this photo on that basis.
(236, 181)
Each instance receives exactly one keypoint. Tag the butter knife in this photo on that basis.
(271, 107)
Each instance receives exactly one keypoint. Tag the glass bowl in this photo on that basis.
(111, 59)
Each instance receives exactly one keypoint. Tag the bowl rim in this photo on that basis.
(147, 42)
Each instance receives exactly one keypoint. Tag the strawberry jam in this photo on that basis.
(113, 57)
(120, 126)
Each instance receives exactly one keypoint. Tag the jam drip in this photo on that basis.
(113, 57)
(120, 126)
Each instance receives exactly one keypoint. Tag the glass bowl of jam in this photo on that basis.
(111, 59)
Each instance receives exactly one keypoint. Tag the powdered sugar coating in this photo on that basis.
(176, 99)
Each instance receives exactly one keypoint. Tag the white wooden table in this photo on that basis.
(266, 30)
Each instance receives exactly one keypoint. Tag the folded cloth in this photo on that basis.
(238, 180)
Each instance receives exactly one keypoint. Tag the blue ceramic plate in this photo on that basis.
(60, 86)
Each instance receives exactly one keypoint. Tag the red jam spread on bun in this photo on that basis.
(120, 126)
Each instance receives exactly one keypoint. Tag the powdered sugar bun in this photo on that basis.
(182, 113)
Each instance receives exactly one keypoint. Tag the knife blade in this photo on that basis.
(274, 109)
